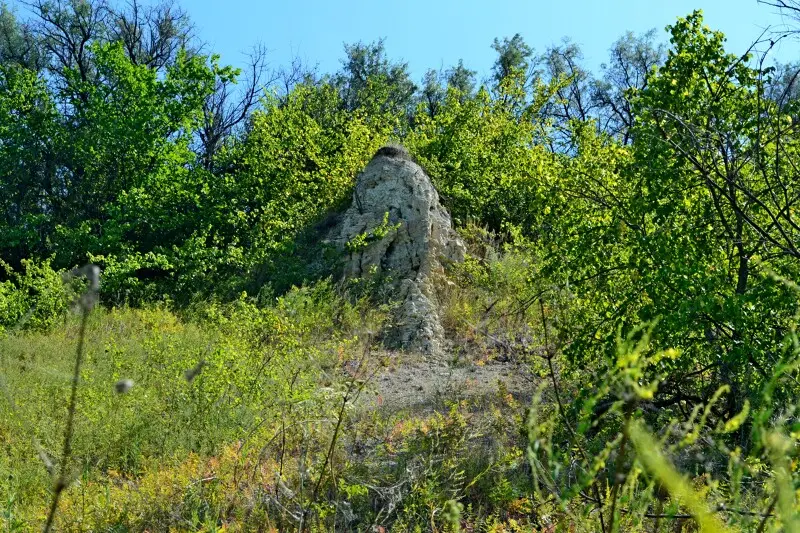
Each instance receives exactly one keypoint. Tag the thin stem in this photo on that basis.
(61, 482)
(353, 389)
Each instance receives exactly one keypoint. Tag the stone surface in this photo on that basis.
(410, 256)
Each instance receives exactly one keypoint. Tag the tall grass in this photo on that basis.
(237, 417)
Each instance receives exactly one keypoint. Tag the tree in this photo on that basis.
(461, 78)
(783, 84)
(77, 167)
(286, 78)
(571, 101)
(573, 98)
(227, 110)
(687, 224)
(153, 35)
(369, 81)
(513, 56)
(432, 93)
(61, 35)
(791, 8)
(297, 161)
(64, 31)
(18, 45)
(716, 160)
(31, 192)
(436, 83)
(486, 157)
(632, 60)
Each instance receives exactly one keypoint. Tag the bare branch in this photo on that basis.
(227, 110)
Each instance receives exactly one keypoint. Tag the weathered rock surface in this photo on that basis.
(409, 247)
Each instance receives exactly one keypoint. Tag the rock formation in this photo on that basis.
(397, 229)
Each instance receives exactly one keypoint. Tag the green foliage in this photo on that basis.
(513, 57)
(123, 144)
(633, 57)
(665, 194)
(594, 454)
(371, 82)
(27, 115)
(647, 449)
(667, 229)
(378, 233)
(237, 370)
(116, 180)
(34, 298)
(483, 156)
(692, 198)
(297, 163)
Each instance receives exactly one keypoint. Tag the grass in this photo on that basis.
(267, 431)
(237, 417)
(254, 365)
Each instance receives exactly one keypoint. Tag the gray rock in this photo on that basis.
(408, 248)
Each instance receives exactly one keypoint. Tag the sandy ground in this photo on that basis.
(415, 382)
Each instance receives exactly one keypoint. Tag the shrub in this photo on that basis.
(34, 298)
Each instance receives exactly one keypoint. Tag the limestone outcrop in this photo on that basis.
(396, 228)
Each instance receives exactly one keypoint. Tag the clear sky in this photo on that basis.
(436, 33)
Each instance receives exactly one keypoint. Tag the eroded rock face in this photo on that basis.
(409, 246)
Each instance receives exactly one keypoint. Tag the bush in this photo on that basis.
(35, 298)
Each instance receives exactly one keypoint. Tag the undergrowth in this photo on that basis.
(238, 417)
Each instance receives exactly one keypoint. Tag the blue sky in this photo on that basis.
(436, 33)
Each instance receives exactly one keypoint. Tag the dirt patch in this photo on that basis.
(412, 381)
